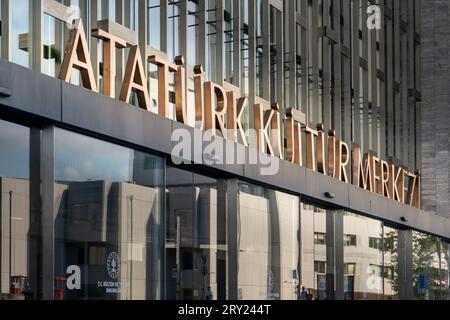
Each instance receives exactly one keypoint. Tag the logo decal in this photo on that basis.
(113, 265)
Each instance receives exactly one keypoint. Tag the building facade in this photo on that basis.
(94, 204)
(434, 116)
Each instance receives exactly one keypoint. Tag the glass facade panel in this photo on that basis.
(391, 263)
(19, 223)
(366, 280)
(276, 73)
(173, 27)
(196, 250)
(259, 48)
(20, 32)
(1, 31)
(193, 39)
(228, 65)
(445, 270)
(53, 41)
(154, 24)
(268, 245)
(108, 220)
(426, 260)
(314, 280)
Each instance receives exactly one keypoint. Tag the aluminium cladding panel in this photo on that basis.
(29, 92)
(289, 177)
(375, 205)
(99, 114)
(318, 185)
(420, 220)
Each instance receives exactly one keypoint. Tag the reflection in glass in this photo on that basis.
(154, 24)
(53, 45)
(1, 18)
(173, 34)
(391, 263)
(228, 65)
(259, 49)
(211, 41)
(313, 253)
(363, 257)
(193, 33)
(195, 238)
(108, 222)
(19, 234)
(245, 58)
(276, 75)
(268, 245)
(425, 267)
(445, 270)
(20, 32)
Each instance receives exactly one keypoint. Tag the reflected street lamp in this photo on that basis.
(10, 236)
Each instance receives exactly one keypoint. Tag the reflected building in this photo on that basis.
(97, 218)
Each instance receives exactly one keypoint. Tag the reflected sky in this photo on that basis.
(79, 158)
(20, 25)
(14, 148)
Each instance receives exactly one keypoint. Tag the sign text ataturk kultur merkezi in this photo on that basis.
(219, 109)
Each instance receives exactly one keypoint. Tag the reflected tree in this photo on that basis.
(426, 282)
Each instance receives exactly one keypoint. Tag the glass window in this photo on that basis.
(19, 233)
(349, 269)
(391, 263)
(366, 282)
(426, 261)
(1, 18)
(276, 72)
(108, 223)
(268, 246)
(245, 59)
(259, 49)
(196, 250)
(228, 65)
(375, 243)
(193, 34)
(445, 273)
(320, 267)
(376, 270)
(20, 32)
(154, 23)
(108, 9)
(319, 238)
(211, 46)
(53, 42)
(349, 240)
(315, 274)
(244, 47)
(173, 34)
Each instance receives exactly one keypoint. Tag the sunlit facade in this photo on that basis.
(93, 207)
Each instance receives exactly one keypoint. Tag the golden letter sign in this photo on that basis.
(221, 111)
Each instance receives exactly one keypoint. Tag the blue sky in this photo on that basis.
(14, 146)
(80, 158)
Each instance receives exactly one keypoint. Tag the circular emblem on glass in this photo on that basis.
(113, 265)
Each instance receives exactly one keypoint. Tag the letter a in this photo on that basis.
(374, 18)
(77, 56)
(135, 80)
(74, 280)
